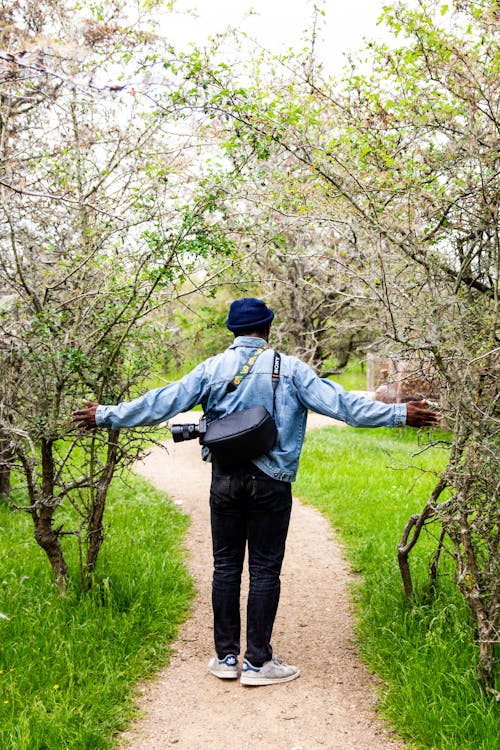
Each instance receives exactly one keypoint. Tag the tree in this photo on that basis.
(295, 247)
(307, 261)
(97, 230)
(424, 135)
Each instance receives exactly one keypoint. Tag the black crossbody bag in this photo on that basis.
(244, 434)
(240, 436)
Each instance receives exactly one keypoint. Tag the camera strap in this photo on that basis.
(246, 368)
(276, 376)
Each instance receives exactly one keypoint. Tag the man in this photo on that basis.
(250, 503)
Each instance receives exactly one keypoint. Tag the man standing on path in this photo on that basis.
(250, 502)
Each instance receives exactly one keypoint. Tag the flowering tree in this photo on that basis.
(100, 224)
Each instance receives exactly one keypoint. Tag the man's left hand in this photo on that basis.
(419, 414)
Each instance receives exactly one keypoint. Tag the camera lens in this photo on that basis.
(182, 432)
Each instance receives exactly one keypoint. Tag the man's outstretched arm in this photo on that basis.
(152, 408)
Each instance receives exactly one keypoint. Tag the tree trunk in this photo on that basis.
(4, 482)
(6, 456)
(95, 531)
(48, 539)
(415, 522)
(46, 536)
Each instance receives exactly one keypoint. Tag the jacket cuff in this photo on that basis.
(100, 416)
(399, 415)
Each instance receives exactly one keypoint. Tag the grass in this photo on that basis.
(425, 655)
(353, 377)
(69, 666)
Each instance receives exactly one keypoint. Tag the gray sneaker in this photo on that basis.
(270, 673)
(225, 669)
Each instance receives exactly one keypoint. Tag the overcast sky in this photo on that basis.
(279, 24)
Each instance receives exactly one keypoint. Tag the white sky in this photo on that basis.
(279, 24)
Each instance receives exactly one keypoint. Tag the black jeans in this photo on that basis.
(247, 506)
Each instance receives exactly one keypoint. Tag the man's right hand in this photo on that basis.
(85, 418)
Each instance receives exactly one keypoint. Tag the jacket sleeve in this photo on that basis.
(157, 405)
(329, 398)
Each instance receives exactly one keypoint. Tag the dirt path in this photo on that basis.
(330, 705)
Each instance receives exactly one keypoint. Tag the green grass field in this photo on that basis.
(69, 666)
(424, 654)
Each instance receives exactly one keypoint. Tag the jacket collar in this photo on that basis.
(249, 342)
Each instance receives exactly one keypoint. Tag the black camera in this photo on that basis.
(189, 431)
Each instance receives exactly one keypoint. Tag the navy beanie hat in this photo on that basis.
(247, 314)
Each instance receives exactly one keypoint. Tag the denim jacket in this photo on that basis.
(299, 389)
